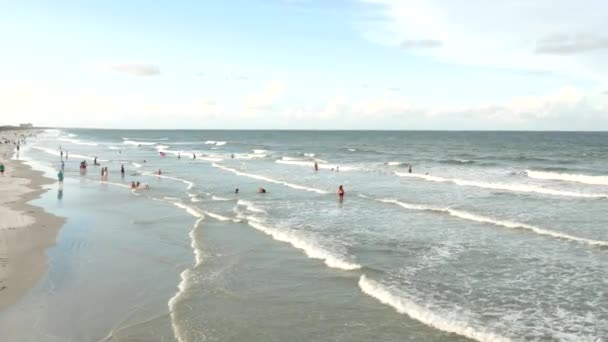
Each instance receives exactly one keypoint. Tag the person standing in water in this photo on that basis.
(122, 171)
(179, 155)
(341, 193)
(66, 155)
(316, 166)
(193, 156)
(62, 166)
(410, 169)
(60, 178)
(1, 169)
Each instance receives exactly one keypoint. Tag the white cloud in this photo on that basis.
(265, 97)
(134, 69)
(497, 34)
(570, 43)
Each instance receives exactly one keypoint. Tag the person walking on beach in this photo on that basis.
(1, 169)
(122, 171)
(62, 166)
(341, 193)
(60, 178)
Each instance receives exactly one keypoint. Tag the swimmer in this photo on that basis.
(341, 193)
(133, 186)
(232, 156)
(261, 190)
(236, 191)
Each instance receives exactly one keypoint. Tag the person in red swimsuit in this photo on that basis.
(341, 193)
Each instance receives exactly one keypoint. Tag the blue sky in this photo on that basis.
(306, 64)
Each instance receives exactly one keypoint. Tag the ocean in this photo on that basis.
(493, 236)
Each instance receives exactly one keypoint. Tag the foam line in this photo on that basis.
(568, 177)
(189, 184)
(137, 143)
(502, 186)
(423, 314)
(78, 142)
(502, 223)
(185, 275)
(73, 155)
(270, 180)
(312, 251)
(310, 164)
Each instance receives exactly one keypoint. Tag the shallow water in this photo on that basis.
(504, 239)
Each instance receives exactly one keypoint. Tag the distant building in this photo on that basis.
(26, 125)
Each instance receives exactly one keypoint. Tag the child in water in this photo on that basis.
(341, 193)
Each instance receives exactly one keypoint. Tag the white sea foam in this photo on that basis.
(114, 148)
(260, 151)
(310, 164)
(190, 210)
(395, 163)
(217, 198)
(310, 249)
(189, 184)
(216, 143)
(78, 142)
(138, 143)
(221, 217)
(136, 165)
(185, 275)
(423, 314)
(568, 177)
(72, 135)
(270, 180)
(73, 155)
(250, 206)
(506, 187)
(162, 147)
(249, 156)
(497, 222)
(311, 155)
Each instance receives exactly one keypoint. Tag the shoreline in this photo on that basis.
(26, 231)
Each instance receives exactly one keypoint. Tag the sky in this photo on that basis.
(306, 64)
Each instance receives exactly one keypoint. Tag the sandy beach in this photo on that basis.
(26, 231)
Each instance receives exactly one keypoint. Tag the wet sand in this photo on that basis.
(26, 231)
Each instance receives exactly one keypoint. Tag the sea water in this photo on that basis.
(493, 236)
